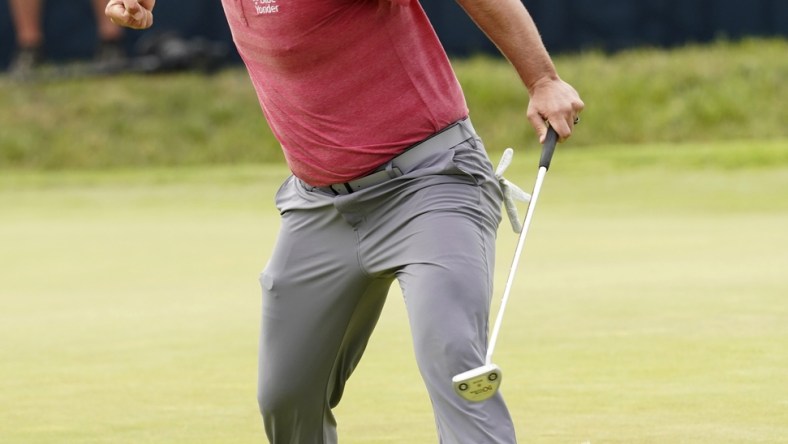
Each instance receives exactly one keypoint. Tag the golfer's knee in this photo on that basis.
(462, 351)
(280, 400)
(271, 402)
(260, 400)
(446, 355)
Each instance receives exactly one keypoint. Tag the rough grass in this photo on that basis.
(696, 93)
(722, 91)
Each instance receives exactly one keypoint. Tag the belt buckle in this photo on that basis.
(344, 188)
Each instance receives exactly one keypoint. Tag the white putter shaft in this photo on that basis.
(481, 383)
(515, 262)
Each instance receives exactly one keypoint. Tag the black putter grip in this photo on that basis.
(548, 148)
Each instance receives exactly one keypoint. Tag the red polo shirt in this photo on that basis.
(345, 85)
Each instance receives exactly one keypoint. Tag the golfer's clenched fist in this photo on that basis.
(135, 14)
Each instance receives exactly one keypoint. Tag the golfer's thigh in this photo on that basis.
(311, 287)
(448, 292)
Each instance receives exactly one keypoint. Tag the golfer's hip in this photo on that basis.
(409, 160)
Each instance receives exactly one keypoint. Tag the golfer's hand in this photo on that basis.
(134, 14)
(554, 103)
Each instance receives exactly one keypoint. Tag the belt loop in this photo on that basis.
(393, 171)
(468, 127)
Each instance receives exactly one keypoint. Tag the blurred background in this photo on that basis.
(566, 25)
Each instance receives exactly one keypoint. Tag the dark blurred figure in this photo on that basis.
(28, 25)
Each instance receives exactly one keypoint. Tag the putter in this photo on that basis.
(481, 383)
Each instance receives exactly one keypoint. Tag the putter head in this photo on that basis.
(478, 384)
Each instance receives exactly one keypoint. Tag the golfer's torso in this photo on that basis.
(345, 84)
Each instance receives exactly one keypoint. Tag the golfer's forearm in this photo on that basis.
(509, 25)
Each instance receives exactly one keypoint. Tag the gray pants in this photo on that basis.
(433, 229)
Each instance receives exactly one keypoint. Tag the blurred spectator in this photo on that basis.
(28, 25)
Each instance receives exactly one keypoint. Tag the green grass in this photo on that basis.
(724, 91)
(133, 121)
(650, 306)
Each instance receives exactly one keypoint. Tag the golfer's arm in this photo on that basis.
(510, 27)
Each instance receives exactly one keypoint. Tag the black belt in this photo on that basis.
(411, 158)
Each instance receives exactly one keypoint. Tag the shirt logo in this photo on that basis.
(263, 7)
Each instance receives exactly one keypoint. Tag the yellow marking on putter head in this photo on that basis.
(478, 384)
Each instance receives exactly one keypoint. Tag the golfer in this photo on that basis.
(389, 181)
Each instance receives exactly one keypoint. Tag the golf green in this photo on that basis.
(649, 306)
